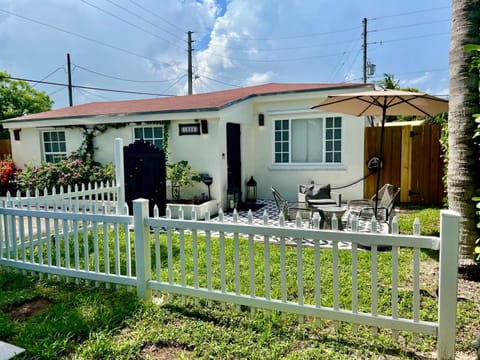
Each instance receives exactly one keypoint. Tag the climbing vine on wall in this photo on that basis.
(166, 128)
(87, 148)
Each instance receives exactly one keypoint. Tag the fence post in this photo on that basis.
(447, 284)
(143, 269)
(119, 174)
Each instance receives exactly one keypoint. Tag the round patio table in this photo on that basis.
(327, 212)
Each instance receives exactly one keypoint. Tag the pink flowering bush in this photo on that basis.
(70, 171)
(7, 175)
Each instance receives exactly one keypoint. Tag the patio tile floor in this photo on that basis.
(272, 211)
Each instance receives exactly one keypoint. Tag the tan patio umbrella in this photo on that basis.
(384, 102)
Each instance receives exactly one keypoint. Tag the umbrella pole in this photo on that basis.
(384, 113)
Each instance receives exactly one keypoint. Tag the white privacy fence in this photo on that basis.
(226, 262)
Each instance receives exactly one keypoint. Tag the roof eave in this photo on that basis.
(13, 123)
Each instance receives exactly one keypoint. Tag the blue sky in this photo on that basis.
(140, 45)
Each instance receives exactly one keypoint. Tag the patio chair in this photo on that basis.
(316, 194)
(365, 209)
(290, 209)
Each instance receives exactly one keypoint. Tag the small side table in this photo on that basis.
(327, 212)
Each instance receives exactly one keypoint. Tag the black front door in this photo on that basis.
(234, 164)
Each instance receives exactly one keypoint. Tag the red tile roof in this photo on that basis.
(206, 101)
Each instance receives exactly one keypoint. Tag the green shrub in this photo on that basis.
(70, 171)
(181, 176)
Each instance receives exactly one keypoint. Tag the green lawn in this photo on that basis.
(88, 322)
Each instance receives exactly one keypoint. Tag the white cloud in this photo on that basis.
(417, 81)
(257, 78)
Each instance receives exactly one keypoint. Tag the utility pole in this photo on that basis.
(69, 70)
(190, 72)
(364, 50)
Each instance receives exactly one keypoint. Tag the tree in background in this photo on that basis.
(463, 157)
(17, 98)
(389, 82)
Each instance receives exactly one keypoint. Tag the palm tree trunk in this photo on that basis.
(463, 159)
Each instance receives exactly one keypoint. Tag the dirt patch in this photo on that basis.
(27, 309)
(159, 352)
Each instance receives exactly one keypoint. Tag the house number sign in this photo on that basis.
(189, 129)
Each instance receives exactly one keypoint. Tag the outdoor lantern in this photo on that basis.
(233, 196)
(208, 180)
(251, 190)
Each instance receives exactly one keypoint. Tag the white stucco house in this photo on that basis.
(267, 131)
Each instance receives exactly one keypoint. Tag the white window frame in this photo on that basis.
(308, 165)
(153, 138)
(56, 155)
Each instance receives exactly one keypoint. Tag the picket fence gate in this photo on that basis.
(77, 243)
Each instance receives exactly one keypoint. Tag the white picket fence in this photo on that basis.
(90, 195)
(208, 260)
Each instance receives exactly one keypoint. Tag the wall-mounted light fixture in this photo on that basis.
(16, 134)
(261, 120)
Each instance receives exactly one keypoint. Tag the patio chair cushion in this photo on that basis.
(317, 194)
(316, 191)
(305, 189)
(321, 201)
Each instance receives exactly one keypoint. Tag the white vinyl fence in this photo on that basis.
(90, 195)
(219, 261)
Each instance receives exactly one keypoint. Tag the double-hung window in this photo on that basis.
(308, 140)
(151, 134)
(54, 146)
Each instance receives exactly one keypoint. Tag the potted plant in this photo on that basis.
(182, 176)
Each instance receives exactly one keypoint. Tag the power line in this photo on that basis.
(50, 74)
(322, 56)
(121, 79)
(90, 94)
(409, 25)
(354, 61)
(175, 82)
(55, 92)
(200, 76)
(281, 49)
(126, 21)
(409, 13)
(324, 44)
(206, 86)
(218, 81)
(276, 60)
(408, 38)
(343, 60)
(310, 35)
(412, 72)
(143, 19)
(356, 28)
(155, 14)
(85, 37)
(212, 44)
(89, 87)
(199, 85)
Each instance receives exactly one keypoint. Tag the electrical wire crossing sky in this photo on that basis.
(131, 49)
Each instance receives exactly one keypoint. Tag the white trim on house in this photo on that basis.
(303, 166)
